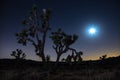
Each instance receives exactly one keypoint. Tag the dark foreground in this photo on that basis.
(11, 69)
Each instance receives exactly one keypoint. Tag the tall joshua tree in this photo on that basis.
(36, 31)
(62, 42)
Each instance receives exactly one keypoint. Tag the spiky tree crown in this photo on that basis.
(62, 40)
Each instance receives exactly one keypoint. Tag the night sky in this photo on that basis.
(73, 16)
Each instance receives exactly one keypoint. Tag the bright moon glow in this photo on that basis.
(92, 30)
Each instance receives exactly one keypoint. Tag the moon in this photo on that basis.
(92, 31)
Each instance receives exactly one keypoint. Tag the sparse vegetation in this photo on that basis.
(103, 57)
(93, 70)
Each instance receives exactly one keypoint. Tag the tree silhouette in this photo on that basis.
(18, 54)
(62, 42)
(48, 58)
(103, 57)
(35, 33)
(76, 56)
(69, 59)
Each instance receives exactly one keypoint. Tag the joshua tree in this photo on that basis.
(103, 57)
(18, 54)
(76, 56)
(35, 33)
(62, 42)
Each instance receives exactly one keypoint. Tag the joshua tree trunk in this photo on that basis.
(43, 55)
(57, 61)
(58, 58)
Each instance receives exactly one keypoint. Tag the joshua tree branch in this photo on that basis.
(72, 49)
